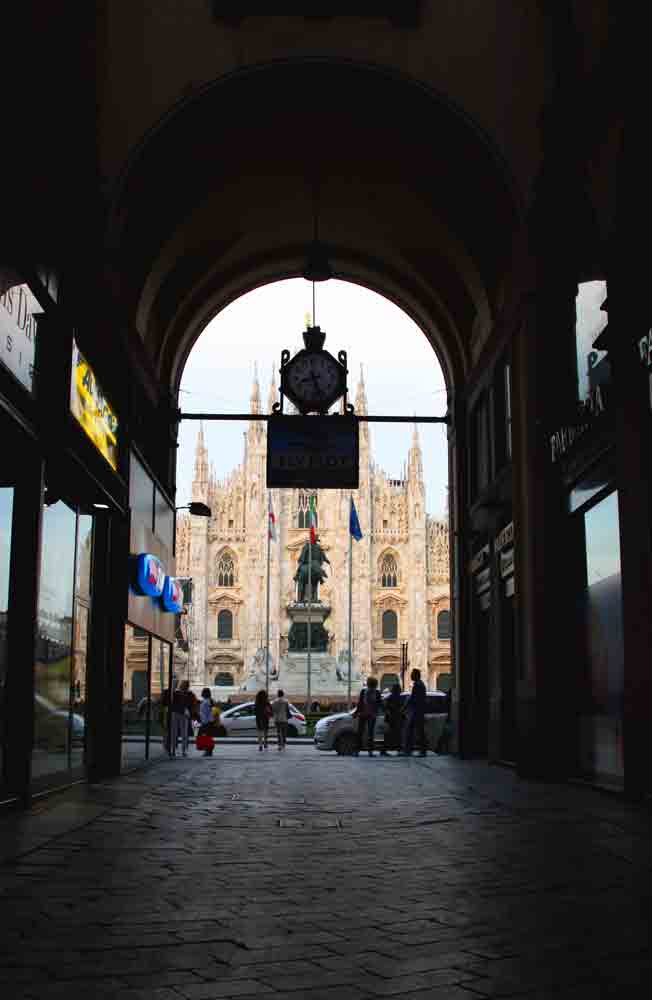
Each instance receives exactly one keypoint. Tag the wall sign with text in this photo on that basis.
(18, 314)
(90, 407)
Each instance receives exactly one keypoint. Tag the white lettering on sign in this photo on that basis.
(504, 537)
(565, 437)
(645, 349)
(479, 559)
(18, 311)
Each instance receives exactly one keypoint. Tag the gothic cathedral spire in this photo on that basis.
(200, 481)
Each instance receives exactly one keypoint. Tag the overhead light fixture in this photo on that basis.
(196, 508)
(101, 506)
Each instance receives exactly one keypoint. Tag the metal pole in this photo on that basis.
(309, 607)
(350, 598)
(364, 417)
(267, 617)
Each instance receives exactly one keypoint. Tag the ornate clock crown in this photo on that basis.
(313, 338)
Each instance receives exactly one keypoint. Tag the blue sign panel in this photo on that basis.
(150, 575)
(172, 595)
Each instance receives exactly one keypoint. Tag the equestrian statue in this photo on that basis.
(310, 572)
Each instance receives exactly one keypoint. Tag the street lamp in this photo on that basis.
(197, 508)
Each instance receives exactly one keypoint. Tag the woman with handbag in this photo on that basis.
(263, 711)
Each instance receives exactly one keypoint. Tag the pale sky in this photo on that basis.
(401, 373)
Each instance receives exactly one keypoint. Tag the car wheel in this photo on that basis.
(292, 733)
(347, 744)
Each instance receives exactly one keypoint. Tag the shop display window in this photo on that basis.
(6, 516)
(601, 727)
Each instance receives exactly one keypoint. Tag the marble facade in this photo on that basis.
(400, 567)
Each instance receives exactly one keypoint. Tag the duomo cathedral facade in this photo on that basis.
(400, 566)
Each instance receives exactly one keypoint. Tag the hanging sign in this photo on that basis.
(504, 537)
(319, 452)
(150, 575)
(479, 559)
(172, 597)
(90, 407)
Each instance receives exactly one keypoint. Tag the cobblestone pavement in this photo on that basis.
(308, 875)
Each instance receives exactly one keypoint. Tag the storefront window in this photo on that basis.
(601, 724)
(80, 635)
(135, 701)
(6, 514)
(592, 365)
(160, 683)
(52, 680)
(144, 711)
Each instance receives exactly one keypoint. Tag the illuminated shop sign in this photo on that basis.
(150, 575)
(18, 312)
(92, 410)
(172, 595)
(151, 580)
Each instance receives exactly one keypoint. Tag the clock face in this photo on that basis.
(314, 379)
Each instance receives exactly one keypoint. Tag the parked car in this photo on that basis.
(241, 721)
(339, 732)
(52, 723)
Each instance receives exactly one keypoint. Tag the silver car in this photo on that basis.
(340, 732)
(241, 721)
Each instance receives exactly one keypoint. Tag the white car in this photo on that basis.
(340, 732)
(241, 721)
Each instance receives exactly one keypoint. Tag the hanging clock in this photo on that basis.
(313, 379)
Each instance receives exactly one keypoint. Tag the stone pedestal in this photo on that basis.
(328, 676)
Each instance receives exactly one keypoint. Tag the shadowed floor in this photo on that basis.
(308, 875)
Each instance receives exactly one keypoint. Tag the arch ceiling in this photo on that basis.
(413, 202)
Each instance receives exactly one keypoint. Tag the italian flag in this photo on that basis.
(271, 518)
(313, 519)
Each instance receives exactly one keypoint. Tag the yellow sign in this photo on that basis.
(90, 407)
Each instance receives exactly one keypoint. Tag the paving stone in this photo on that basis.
(442, 879)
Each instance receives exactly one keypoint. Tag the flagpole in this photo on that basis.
(309, 606)
(350, 596)
(269, 538)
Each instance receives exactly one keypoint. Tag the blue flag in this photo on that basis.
(354, 524)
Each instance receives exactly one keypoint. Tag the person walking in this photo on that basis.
(182, 709)
(281, 712)
(393, 715)
(415, 717)
(263, 711)
(366, 712)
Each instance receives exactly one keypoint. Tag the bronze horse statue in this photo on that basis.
(310, 570)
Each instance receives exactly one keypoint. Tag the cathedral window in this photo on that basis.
(226, 571)
(303, 510)
(444, 625)
(225, 625)
(390, 626)
(388, 572)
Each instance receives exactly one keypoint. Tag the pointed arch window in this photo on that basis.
(226, 571)
(444, 625)
(225, 625)
(303, 509)
(390, 626)
(388, 571)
